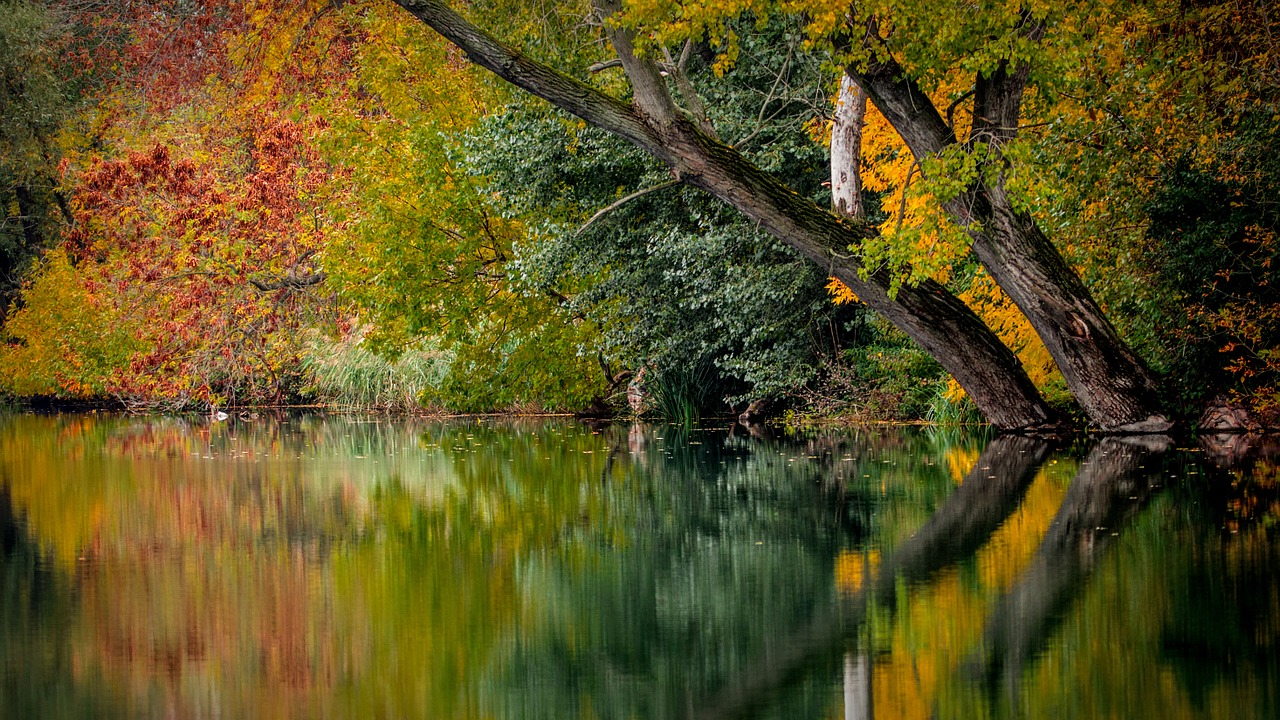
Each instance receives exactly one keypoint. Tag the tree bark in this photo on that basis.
(846, 149)
(942, 324)
(1112, 385)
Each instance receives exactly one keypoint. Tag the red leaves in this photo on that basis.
(181, 237)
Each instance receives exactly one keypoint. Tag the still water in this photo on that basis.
(297, 567)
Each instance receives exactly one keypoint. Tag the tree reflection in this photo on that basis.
(988, 494)
(304, 566)
(1114, 482)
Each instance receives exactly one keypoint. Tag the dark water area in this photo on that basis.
(351, 567)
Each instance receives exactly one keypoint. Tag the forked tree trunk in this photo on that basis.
(931, 315)
(1112, 385)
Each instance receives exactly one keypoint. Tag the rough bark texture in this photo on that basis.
(929, 314)
(846, 149)
(1112, 385)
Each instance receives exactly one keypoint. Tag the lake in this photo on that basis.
(295, 566)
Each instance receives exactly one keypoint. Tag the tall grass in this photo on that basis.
(682, 395)
(347, 374)
(945, 412)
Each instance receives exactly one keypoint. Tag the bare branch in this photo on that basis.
(623, 201)
(687, 91)
(601, 66)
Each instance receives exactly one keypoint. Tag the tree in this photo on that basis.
(675, 281)
(1112, 385)
(1114, 388)
(35, 99)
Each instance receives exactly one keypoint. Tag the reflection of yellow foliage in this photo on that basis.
(960, 460)
(854, 568)
(926, 645)
(1012, 546)
(240, 562)
(942, 623)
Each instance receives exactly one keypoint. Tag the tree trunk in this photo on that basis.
(942, 324)
(846, 149)
(1113, 386)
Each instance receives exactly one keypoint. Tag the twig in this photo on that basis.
(951, 109)
(624, 201)
(600, 66)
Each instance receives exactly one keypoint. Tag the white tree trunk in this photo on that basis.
(846, 149)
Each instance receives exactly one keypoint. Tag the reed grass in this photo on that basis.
(347, 374)
(682, 395)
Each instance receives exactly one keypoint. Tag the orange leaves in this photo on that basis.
(1011, 326)
(210, 255)
(917, 239)
(840, 293)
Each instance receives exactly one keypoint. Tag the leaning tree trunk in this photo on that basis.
(1113, 386)
(932, 316)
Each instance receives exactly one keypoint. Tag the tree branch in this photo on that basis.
(687, 91)
(648, 86)
(623, 201)
(561, 90)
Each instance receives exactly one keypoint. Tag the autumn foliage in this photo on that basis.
(233, 191)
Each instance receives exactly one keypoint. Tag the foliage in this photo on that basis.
(684, 394)
(1213, 239)
(34, 103)
(427, 254)
(673, 280)
(213, 255)
(1153, 162)
(64, 341)
(321, 166)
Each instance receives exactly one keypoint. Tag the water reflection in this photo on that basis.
(353, 567)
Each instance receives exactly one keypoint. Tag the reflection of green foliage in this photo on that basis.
(38, 603)
(1244, 638)
(549, 569)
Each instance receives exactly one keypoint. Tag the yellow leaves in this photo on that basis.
(666, 23)
(69, 343)
(917, 236)
(840, 293)
(1012, 327)
(825, 17)
(856, 569)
